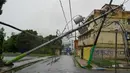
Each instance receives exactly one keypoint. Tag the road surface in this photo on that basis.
(64, 65)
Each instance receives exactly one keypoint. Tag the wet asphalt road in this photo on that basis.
(64, 65)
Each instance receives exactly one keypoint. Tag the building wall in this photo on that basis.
(105, 37)
(108, 31)
(106, 40)
(109, 38)
(79, 53)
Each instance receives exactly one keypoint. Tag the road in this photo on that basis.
(64, 65)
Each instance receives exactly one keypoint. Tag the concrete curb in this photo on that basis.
(24, 65)
(79, 63)
(74, 61)
(100, 68)
(94, 68)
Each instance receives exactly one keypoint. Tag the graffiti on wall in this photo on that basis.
(104, 52)
(107, 51)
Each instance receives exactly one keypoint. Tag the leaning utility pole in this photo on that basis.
(57, 38)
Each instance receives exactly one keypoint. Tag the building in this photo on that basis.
(105, 47)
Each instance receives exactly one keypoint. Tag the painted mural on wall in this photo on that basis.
(107, 53)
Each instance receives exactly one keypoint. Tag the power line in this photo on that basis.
(125, 1)
(65, 28)
(64, 16)
(70, 7)
(59, 37)
(67, 24)
(11, 26)
(85, 23)
(5, 24)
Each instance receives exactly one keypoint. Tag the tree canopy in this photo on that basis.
(2, 35)
(23, 42)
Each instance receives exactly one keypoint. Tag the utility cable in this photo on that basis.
(64, 16)
(59, 37)
(70, 7)
(71, 15)
(125, 1)
(67, 24)
(8, 25)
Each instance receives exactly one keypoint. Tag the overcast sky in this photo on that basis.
(45, 16)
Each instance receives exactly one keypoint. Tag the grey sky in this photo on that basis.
(46, 16)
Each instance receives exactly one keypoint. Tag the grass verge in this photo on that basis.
(104, 63)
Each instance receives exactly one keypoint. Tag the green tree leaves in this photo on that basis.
(2, 35)
(29, 39)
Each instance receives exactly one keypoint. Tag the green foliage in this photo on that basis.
(104, 63)
(10, 44)
(88, 66)
(2, 35)
(52, 47)
(23, 42)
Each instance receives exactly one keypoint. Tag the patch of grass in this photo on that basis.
(104, 63)
(124, 59)
(89, 67)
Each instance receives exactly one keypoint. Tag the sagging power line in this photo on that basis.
(61, 36)
(61, 5)
(70, 7)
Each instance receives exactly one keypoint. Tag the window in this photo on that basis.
(128, 20)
